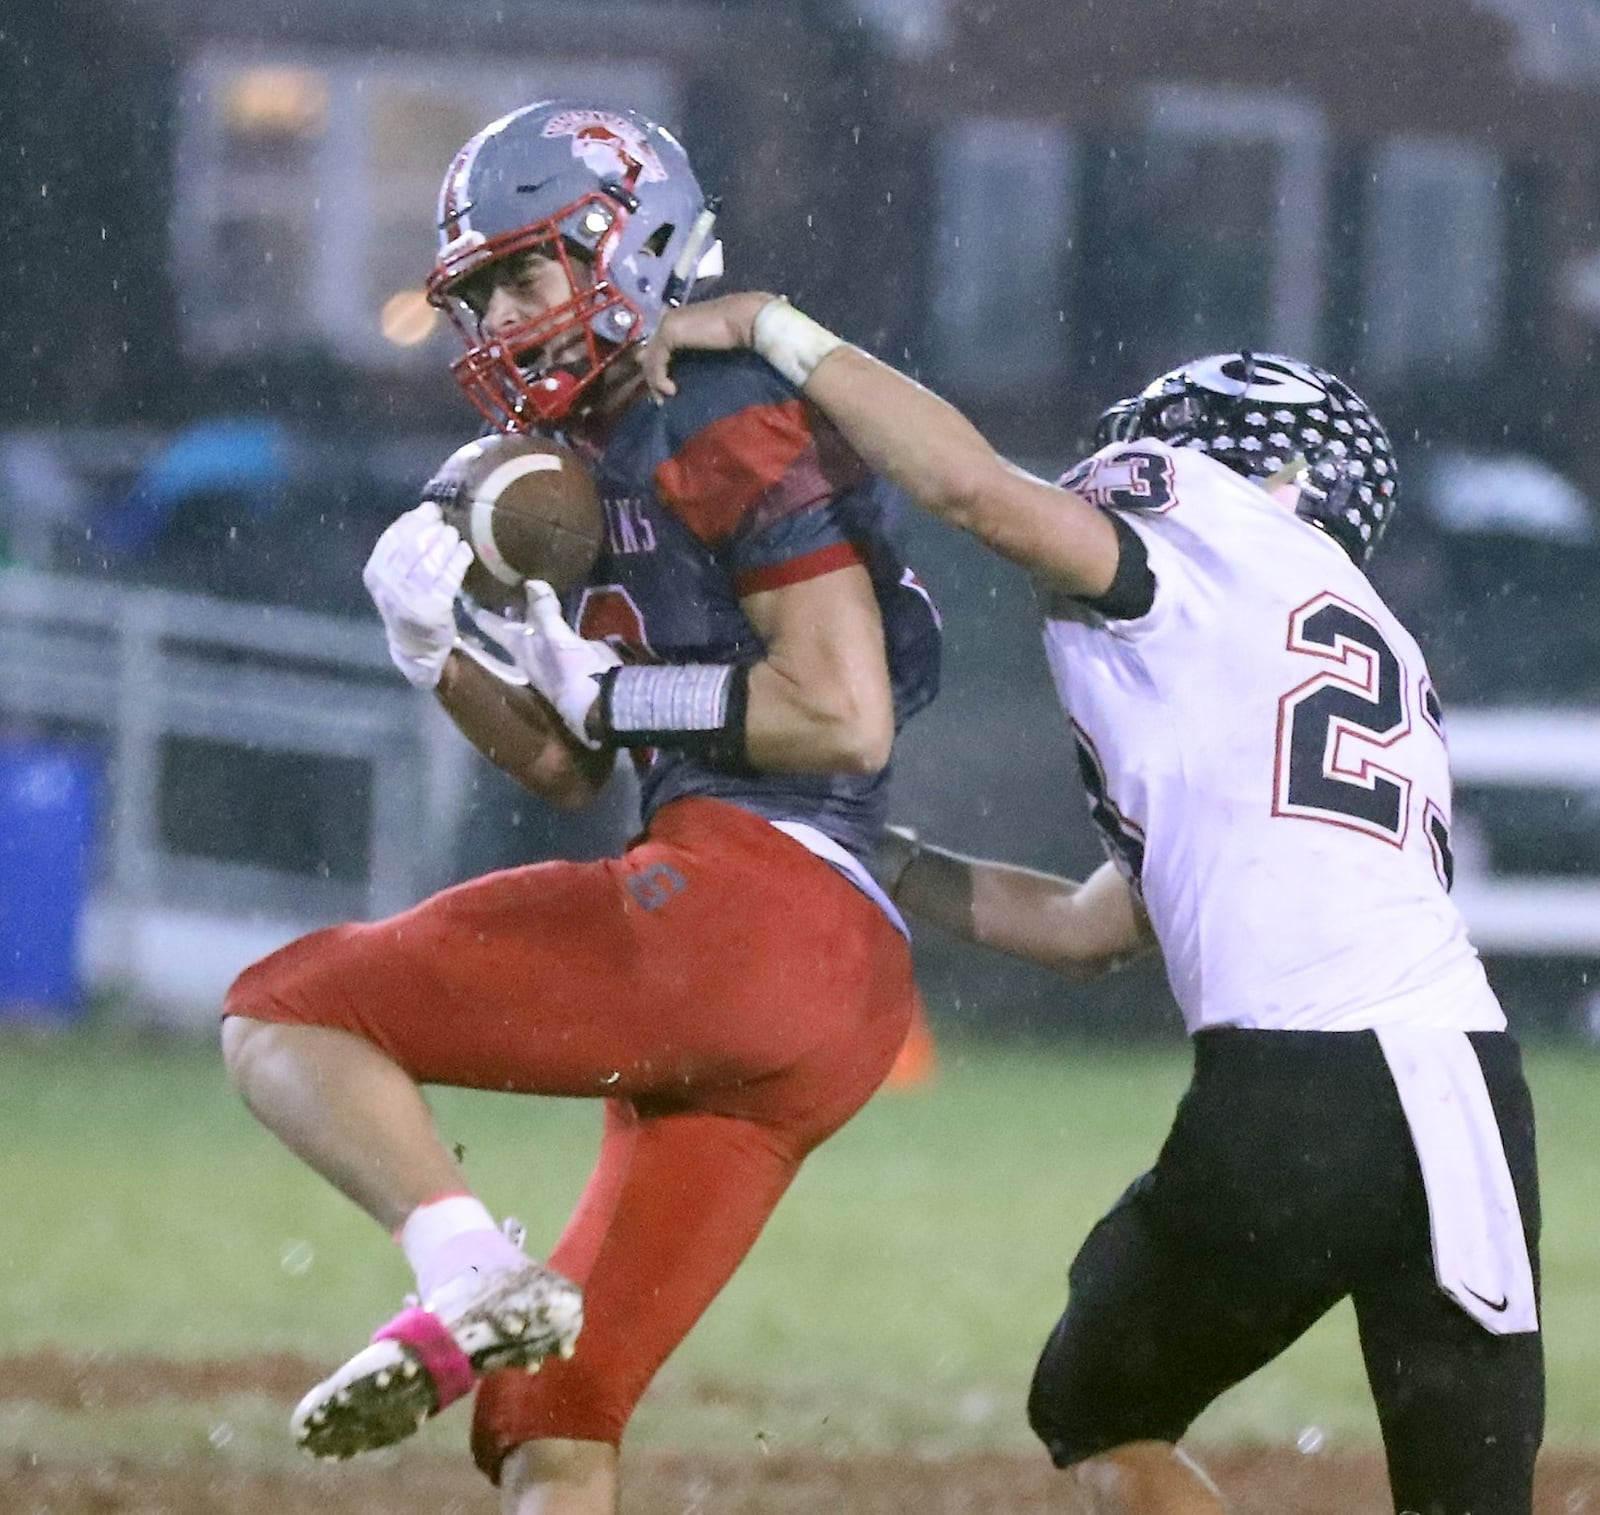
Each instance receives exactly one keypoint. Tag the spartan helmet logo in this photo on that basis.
(609, 146)
(1265, 379)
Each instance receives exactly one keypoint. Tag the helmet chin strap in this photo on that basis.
(699, 255)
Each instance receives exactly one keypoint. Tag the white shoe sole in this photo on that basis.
(383, 1394)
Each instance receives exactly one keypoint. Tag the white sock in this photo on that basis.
(446, 1236)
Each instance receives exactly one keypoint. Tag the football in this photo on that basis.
(529, 509)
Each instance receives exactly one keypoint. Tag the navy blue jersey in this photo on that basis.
(733, 486)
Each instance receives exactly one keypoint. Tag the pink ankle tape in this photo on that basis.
(444, 1362)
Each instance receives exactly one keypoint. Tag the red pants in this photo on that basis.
(732, 997)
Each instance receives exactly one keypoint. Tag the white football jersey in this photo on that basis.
(1265, 759)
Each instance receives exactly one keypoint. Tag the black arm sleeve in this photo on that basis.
(1133, 588)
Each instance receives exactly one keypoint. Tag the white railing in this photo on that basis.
(142, 666)
(137, 667)
(1528, 748)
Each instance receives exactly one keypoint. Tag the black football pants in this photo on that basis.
(1289, 1181)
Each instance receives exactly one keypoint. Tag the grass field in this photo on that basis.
(896, 1302)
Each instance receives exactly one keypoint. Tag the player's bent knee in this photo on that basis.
(324, 963)
(249, 1047)
(1108, 1480)
(1053, 1407)
(566, 1403)
(1081, 1416)
(247, 1003)
(241, 1041)
(1145, 1475)
(582, 1470)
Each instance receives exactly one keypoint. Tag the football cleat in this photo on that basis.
(428, 1357)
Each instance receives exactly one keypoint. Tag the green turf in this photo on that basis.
(898, 1297)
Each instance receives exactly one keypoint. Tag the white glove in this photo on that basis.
(559, 663)
(413, 576)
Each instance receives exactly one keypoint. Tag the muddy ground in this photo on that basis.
(37, 1479)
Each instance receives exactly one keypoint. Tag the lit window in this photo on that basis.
(307, 187)
(268, 103)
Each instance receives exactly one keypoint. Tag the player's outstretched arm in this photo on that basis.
(907, 433)
(1080, 930)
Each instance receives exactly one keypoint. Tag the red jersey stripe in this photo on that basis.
(780, 458)
(796, 570)
(724, 468)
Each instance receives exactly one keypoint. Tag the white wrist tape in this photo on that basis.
(791, 341)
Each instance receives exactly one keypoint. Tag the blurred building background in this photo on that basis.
(220, 379)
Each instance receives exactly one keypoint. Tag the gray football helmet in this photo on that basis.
(1259, 413)
(608, 195)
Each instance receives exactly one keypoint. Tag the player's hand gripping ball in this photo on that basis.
(528, 508)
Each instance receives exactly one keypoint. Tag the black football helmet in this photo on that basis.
(1261, 413)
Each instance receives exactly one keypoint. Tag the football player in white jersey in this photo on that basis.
(1264, 758)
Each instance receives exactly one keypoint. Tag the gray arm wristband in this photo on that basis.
(692, 707)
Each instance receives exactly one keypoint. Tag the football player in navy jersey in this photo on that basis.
(736, 985)
(1264, 758)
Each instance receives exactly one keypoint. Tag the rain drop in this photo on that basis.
(296, 1258)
